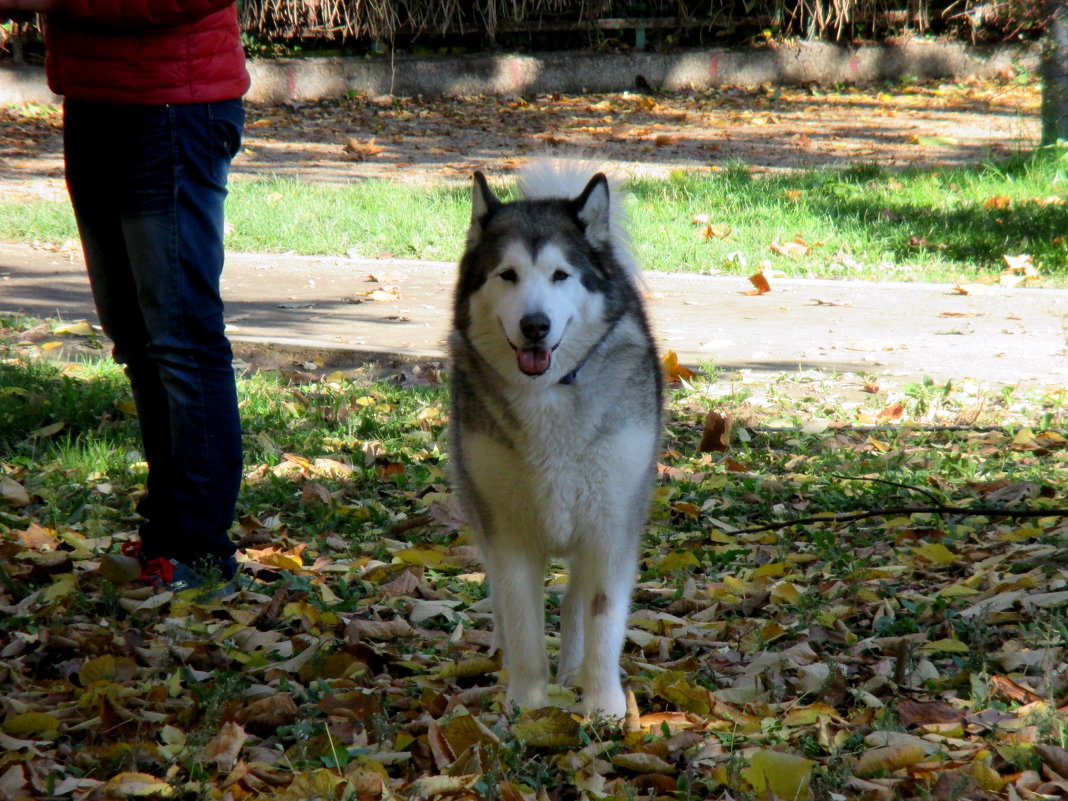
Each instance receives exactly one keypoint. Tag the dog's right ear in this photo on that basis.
(483, 204)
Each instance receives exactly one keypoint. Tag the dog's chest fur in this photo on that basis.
(568, 455)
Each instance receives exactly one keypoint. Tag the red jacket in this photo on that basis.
(146, 51)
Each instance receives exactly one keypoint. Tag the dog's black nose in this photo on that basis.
(535, 327)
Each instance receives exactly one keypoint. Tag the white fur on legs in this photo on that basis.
(519, 623)
(603, 590)
(571, 622)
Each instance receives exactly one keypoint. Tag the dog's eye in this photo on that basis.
(560, 275)
(509, 275)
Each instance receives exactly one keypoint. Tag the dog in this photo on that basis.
(555, 422)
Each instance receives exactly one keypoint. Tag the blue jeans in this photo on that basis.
(147, 184)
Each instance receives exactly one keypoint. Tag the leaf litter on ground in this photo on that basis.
(899, 656)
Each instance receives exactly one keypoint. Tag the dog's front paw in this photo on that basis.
(606, 702)
(530, 697)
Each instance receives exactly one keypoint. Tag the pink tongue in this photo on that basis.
(534, 361)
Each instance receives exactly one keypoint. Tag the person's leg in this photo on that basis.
(147, 184)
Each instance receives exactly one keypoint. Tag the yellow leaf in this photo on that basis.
(62, 586)
(674, 688)
(137, 785)
(642, 763)
(51, 345)
(424, 557)
(945, 646)
(466, 668)
(957, 591)
(678, 560)
(107, 668)
(549, 727)
(935, 553)
(888, 758)
(785, 592)
(318, 784)
(774, 772)
(986, 777)
(771, 570)
(673, 371)
(36, 724)
(79, 329)
(48, 430)
(1025, 438)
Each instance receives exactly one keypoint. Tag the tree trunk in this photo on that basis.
(1055, 74)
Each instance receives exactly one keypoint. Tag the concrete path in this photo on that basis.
(286, 309)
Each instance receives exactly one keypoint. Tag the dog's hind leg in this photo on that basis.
(518, 586)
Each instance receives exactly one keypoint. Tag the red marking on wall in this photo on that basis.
(713, 68)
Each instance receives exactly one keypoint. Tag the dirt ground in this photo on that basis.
(426, 139)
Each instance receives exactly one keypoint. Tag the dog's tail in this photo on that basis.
(566, 178)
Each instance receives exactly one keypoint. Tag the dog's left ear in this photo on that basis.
(483, 204)
(592, 210)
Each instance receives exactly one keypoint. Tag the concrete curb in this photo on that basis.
(279, 80)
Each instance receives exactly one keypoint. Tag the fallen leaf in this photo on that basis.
(794, 250)
(716, 436)
(549, 727)
(779, 773)
(673, 370)
(79, 329)
(361, 151)
(642, 763)
(223, 749)
(760, 284)
(137, 785)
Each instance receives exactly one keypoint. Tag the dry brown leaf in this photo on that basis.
(760, 283)
(895, 411)
(717, 231)
(224, 748)
(361, 151)
(795, 249)
(38, 538)
(919, 713)
(716, 437)
(1007, 688)
(888, 758)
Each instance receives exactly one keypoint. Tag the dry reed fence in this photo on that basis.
(827, 19)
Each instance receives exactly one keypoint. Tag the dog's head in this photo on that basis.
(535, 287)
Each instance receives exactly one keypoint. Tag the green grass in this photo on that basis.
(935, 224)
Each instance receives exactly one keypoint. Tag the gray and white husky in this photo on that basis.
(556, 418)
